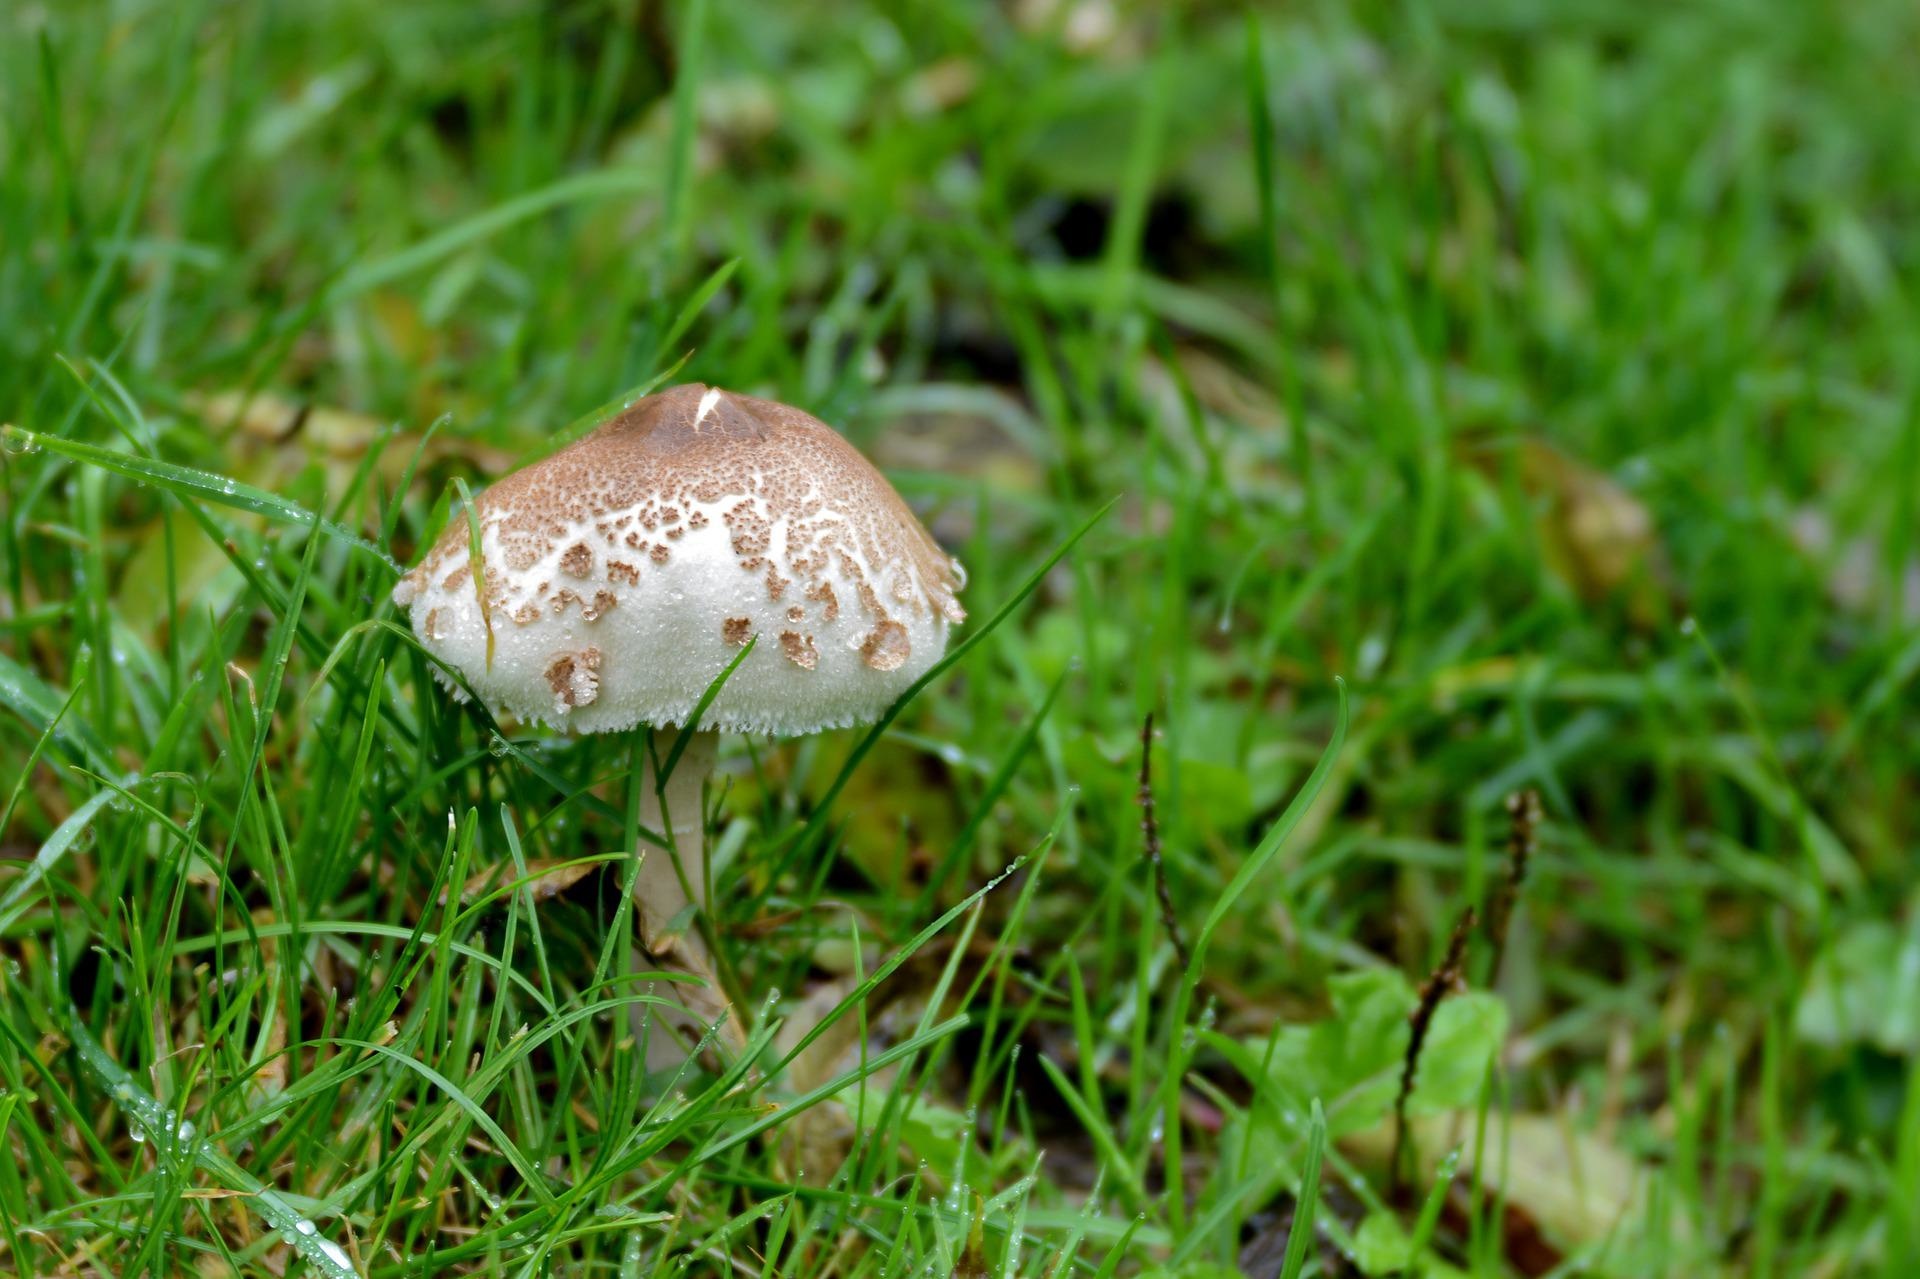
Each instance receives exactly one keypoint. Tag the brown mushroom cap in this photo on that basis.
(624, 572)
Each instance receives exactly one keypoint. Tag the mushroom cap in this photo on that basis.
(624, 572)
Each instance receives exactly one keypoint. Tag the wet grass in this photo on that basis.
(1496, 399)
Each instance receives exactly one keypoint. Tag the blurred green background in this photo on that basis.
(1548, 373)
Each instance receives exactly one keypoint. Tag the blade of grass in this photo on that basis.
(1301, 1231)
(177, 1143)
(817, 823)
(188, 483)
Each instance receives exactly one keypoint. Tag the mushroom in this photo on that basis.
(621, 575)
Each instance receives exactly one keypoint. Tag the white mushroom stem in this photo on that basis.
(669, 878)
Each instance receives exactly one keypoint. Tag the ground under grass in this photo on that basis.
(1457, 407)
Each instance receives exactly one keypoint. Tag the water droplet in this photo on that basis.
(1688, 625)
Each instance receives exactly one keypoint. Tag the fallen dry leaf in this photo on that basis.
(1566, 1189)
(1594, 534)
(546, 879)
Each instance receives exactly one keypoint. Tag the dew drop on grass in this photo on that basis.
(1688, 625)
(499, 747)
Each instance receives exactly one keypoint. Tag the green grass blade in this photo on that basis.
(189, 484)
(178, 1143)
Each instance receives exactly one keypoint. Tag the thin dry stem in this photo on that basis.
(1523, 816)
(1150, 829)
(1443, 981)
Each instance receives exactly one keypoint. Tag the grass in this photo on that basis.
(1488, 398)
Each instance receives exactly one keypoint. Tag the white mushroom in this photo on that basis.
(623, 573)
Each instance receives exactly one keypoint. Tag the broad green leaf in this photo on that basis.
(1381, 1245)
(1352, 1060)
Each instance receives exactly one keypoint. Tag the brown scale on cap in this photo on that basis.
(822, 592)
(799, 649)
(737, 630)
(522, 551)
(750, 532)
(575, 677)
(763, 463)
(577, 560)
(886, 647)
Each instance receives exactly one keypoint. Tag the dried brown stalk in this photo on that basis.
(1150, 828)
(1444, 980)
(1523, 816)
